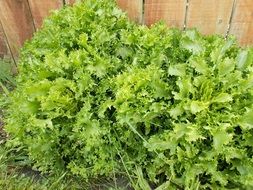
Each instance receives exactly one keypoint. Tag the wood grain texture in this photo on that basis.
(209, 17)
(133, 9)
(170, 11)
(41, 9)
(17, 23)
(242, 22)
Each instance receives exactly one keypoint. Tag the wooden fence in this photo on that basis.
(19, 19)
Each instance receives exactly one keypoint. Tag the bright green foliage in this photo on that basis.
(99, 95)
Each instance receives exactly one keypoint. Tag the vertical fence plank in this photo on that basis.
(242, 22)
(41, 9)
(133, 9)
(17, 23)
(170, 11)
(209, 16)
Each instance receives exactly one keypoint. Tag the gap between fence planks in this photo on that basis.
(3, 44)
(133, 8)
(41, 9)
(5, 51)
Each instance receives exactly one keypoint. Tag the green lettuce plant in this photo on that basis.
(98, 95)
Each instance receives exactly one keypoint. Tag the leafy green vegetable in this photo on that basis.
(98, 95)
